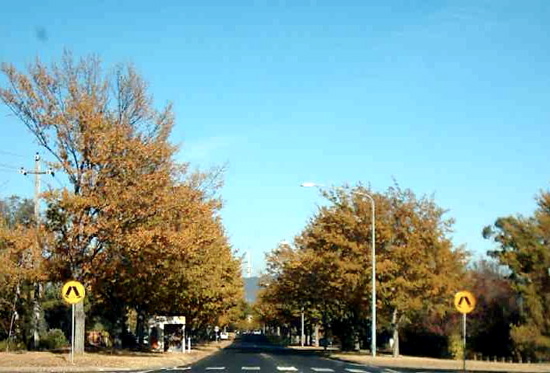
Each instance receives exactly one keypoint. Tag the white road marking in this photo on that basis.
(250, 368)
(388, 370)
(356, 370)
(322, 370)
(287, 369)
(215, 368)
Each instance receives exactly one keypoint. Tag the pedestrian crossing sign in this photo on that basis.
(73, 292)
(465, 302)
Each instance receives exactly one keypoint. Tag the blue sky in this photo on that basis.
(448, 97)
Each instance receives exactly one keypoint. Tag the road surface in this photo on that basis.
(254, 354)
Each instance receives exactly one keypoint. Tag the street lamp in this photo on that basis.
(302, 335)
(373, 239)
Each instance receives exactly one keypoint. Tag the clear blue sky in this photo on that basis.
(448, 97)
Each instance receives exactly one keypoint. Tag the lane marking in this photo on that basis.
(250, 368)
(356, 370)
(388, 370)
(322, 370)
(215, 368)
(287, 369)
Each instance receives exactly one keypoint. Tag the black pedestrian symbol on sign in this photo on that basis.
(73, 292)
(464, 299)
(70, 289)
(465, 302)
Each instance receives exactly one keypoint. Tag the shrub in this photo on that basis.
(14, 345)
(53, 339)
(456, 346)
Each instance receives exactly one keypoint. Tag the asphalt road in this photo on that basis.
(254, 354)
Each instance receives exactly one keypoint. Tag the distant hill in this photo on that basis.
(251, 287)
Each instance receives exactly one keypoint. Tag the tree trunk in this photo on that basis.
(79, 328)
(140, 328)
(316, 335)
(36, 316)
(395, 324)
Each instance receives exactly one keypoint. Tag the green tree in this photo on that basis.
(524, 248)
(15, 210)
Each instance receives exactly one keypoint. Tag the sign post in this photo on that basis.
(465, 302)
(73, 292)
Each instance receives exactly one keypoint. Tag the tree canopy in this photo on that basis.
(329, 270)
(523, 246)
(136, 226)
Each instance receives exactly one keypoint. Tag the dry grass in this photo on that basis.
(444, 364)
(122, 360)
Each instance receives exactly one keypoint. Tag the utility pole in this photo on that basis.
(37, 290)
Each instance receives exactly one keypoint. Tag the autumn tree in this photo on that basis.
(417, 266)
(295, 283)
(524, 248)
(20, 267)
(133, 221)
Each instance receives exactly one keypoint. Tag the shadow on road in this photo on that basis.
(253, 343)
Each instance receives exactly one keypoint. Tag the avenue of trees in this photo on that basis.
(141, 231)
(327, 273)
(144, 235)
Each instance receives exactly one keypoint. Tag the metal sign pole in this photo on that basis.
(183, 338)
(72, 335)
(464, 342)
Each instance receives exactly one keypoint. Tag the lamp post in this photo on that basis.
(373, 253)
(302, 334)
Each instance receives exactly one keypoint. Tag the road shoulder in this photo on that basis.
(421, 363)
(98, 362)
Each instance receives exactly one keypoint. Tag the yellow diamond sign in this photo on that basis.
(465, 302)
(73, 292)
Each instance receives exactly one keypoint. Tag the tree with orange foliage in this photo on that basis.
(133, 218)
(418, 269)
(20, 266)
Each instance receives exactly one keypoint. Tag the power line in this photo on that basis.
(61, 184)
(12, 154)
(9, 166)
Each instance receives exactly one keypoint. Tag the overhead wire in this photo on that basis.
(3, 165)
(3, 169)
(12, 154)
